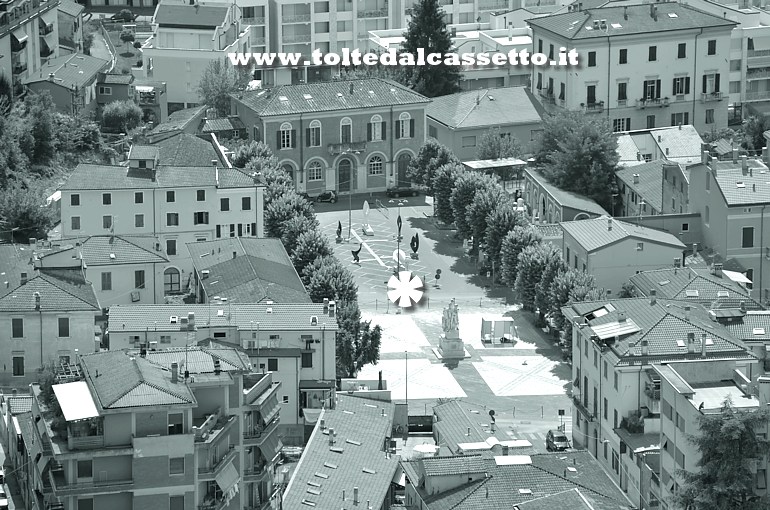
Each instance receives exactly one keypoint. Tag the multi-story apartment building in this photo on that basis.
(185, 428)
(346, 136)
(186, 38)
(177, 205)
(70, 19)
(616, 396)
(28, 37)
(732, 199)
(691, 390)
(296, 342)
(626, 71)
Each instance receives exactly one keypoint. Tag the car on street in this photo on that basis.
(3, 498)
(556, 441)
(327, 196)
(402, 191)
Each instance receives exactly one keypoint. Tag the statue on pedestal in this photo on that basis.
(451, 320)
(450, 344)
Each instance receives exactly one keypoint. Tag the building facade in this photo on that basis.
(549, 204)
(70, 19)
(71, 82)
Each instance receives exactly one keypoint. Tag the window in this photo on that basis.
(172, 219)
(64, 327)
(710, 116)
(682, 50)
(106, 198)
(682, 118)
(176, 466)
(748, 237)
(285, 399)
(224, 204)
(596, 358)
(256, 134)
(286, 136)
(605, 369)
(706, 216)
(75, 199)
(170, 196)
(246, 203)
(138, 197)
(346, 130)
(17, 327)
(591, 59)
(170, 246)
(85, 469)
(540, 46)
(650, 121)
(750, 275)
(139, 220)
(605, 451)
(469, 141)
(142, 163)
(615, 418)
(681, 85)
(307, 360)
(651, 89)
(375, 129)
(665, 408)
(761, 479)
(711, 83)
(708, 181)
(621, 124)
(175, 424)
(139, 280)
(165, 339)
(375, 165)
(550, 52)
(272, 364)
(75, 222)
(623, 56)
(18, 366)
(176, 503)
(405, 127)
(107, 222)
(171, 280)
(313, 134)
(712, 47)
(639, 246)
(652, 54)
(615, 381)
(591, 94)
(539, 81)
(622, 91)
(201, 195)
(314, 171)
(106, 281)
(201, 218)
(432, 132)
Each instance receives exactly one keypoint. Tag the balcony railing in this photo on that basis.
(258, 41)
(46, 29)
(339, 148)
(757, 74)
(19, 68)
(299, 18)
(379, 13)
(253, 21)
(64, 488)
(295, 38)
(257, 436)
(651, 102)
(85, 442)
(757, 95)
(582, 409)
(220, 463)
(213, 503)
(707, 97)
(490, 6)
(594, 107)
(45, 52)
(758, 53)
(255, 473)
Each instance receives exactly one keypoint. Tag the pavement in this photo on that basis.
(99, 49)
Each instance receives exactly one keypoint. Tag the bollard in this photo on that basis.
(479, 302)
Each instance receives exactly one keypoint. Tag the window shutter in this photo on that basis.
(293, 138)
(657, 89)
(411, 128)
(686, 118)
(307, 137)
(383, 130)
(278, 139)
(687, 85)
(398, 129)
(705, 83)
(368, 131)
(628, 123)
(673, 87)
(716, 82)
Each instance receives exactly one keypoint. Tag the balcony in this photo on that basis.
(258, 41)
(212, 502)
(63, 488)
(757, 95)
(582, 409)
(255, 473)
(46, 52)
(295, 38)
(258, 436)
(491, 6)
(651, 102)
(758, 53)
(379, 13)
(209, 472)
(297, 18)
(593, 107)
(757, 74)
(338, 148)
(19, 68)
(45, 29)
(708, 97)
(262, 389)
(547, 96)
(253, 21)
(85, 442)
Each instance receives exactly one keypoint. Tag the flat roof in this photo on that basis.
(713, 396)
(75, 401)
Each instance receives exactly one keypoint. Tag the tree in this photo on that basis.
(293, 228)
(427, 30)
(485, 202)
(715, 135)
(627, 290)
(358, 343)
(327, 278)
(127, 36)
(245, 153)
(496, 145)
(431, 157)
(570, 286)
(583, 159)
(554, 265)
(513, 244)
(41, 108)
(6, 93)
(219, 80)
(466, 187)
(311, 244)
(531, 263)
(23, 208)
(728, 444)
(503, 219)
(443, 183)
(753, 133)
(121, 116)
(282, 209)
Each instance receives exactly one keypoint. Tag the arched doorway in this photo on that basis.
(542, 207)
(290, 171)
(403, 165)
(171, 281)
(344, 175)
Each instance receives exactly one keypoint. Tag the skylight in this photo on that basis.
(680, 343)
(723, 294)
(348, 412)
(314, 492)
(617, 25)
(758, 331)
(283, 98)
(307, 96)
(692, 293)
(329, 465)
(220, 313)
(336, 449)
(350, 441)
(322, 475)
(525, 491)
(314, 484)
(664, 282)
(740, 184)
(339, 94)
(308, 503)
(369, 471)
(709, 341)
(587, 28)
(673, 15)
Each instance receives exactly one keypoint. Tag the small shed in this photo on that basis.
(500, 330)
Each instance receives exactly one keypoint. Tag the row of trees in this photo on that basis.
(291, 218)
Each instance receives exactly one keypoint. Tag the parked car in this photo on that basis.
(306, 196)
(124, 15)
(327, 196)
(556, 441)
(402, 191)
(2, 477)
(3, 498)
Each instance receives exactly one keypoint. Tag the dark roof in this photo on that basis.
(96, 250)
(594, 234)
(455, 419)
(190, 16)
(739, 189)
(71, 8)
(61, 290)
(116, 79)
(579, 24)
(105, 177)
(121, 380)
(144, 152)
(452, 465)
(664, 325)
(180, 120)
(361, 427)
(261, 269)
(184, 149)
(283, 316)
(549, 230)
(70, 71)
(227, 124)
(712, 291)
(199, 360)
(752, 327)
(486, 108)
(571, 499)
(650, 185)
(19, 404)
(565, 198)
(329, 96)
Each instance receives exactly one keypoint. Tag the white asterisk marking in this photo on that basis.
(405, 290)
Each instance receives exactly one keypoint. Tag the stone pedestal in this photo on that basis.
(451, 346)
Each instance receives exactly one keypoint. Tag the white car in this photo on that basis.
(3, 499)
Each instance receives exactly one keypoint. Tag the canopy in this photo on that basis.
(75, 401)
(144, 88)
(736, 276)
(227, 478)
(271, 447)
(311, 415)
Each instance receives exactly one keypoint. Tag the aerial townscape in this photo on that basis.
(528, 274)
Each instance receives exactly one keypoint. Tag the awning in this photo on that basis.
(399, 477)
(316, 385)
(21, 39)
(311, 415)
(75, 401)
(144, 88)
(736, 277)
(271, 447)
(227, 478)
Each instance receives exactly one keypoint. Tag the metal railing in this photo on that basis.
(339, 148)
(229, 454)
(757, 95)
(295, 38)
(707, 97)
(257, 436)
(298, 18)
(758, 53)
(594, 107)
(253, 21)
(756, 74)
(488, 6)
(378, 13)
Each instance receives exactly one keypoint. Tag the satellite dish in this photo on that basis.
(366, 208)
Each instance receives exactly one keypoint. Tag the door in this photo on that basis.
(344, 171)
(290, 171)
(403, 165)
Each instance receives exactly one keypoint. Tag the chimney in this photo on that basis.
(690, 342)
(713, 165)
(625, 12)
(343, 494)
(687, 313)
(717, 269)
(469, 431)
(216, 170)
(677, 262)
(331, 441)
(175, 372)
(735, 156)
(680, 126)
(505, 450)
(51, 77)
(754, 188)
(621, 316)
(24, 278)
(636, 178)
(380, 385)
(705, 157)
(37, 301)
(351, 89)
(596, 24)
(660, 139)
(744, 165)
(703, 345)
(332, 308)
(655, 13)
(323, 424)
(645, 348)
(653, 298)
(326, 305)
(743, 306)
(217, 366)
(609, 224)
(355, 489)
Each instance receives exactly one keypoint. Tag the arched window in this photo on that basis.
(313, 135)
(171, 280)
(286, 136)
(346, 130)
(314, 171)
(707, 215)
(375, 165)
(376, 129)
(405, 128)
(289, 169)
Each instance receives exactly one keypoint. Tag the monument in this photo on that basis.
(450, 344)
